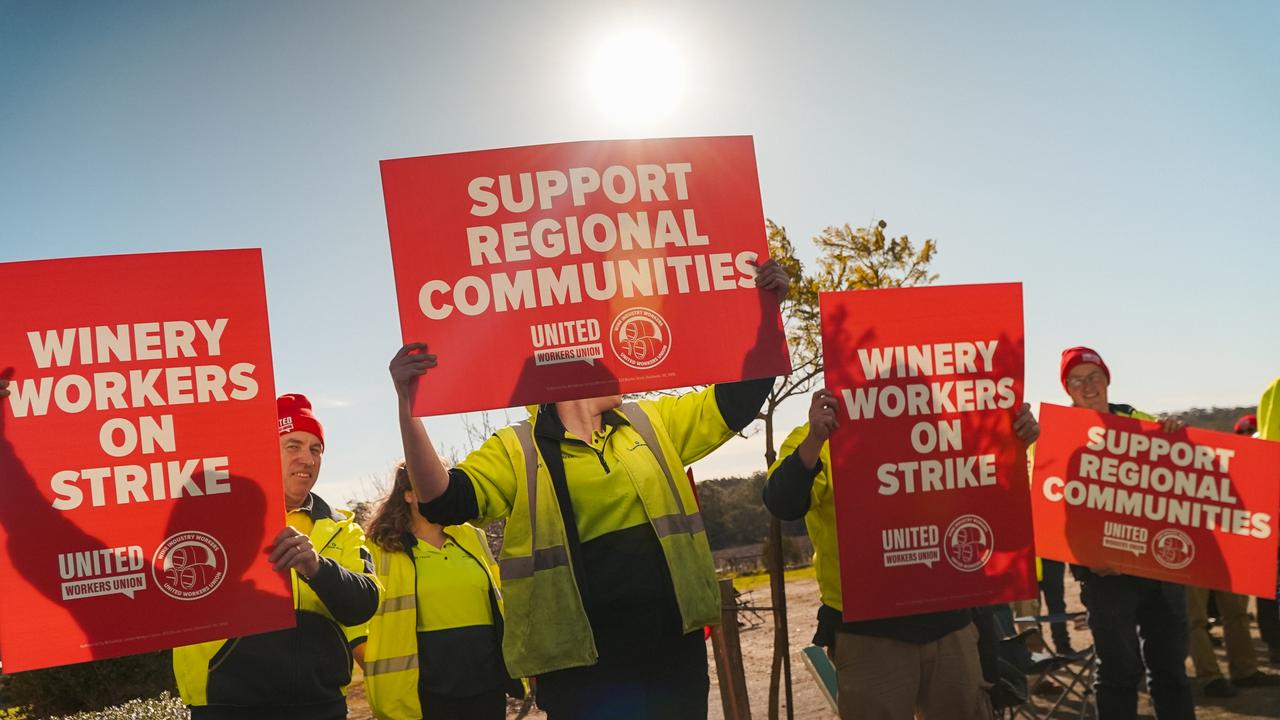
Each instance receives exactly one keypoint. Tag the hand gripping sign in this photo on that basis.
(1196, 507)
(556, 272)
(930, 483)
(139, 461)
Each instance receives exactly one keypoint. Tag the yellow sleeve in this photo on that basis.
(693, 423)
(357, 558)
(494, 476)
(361, 632)
(1269, 412)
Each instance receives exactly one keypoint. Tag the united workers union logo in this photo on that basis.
(189, 565)
(969, 543)
(640, 338)
(1173, 548)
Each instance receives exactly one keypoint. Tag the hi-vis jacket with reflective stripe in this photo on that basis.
(391, 650)
(309, 664)
(546, 624)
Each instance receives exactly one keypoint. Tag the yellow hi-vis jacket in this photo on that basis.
(391, 659)
(820, 520)
(304, 665)
(546, 623)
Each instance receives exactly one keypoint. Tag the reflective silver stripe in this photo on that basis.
(525, 566)
(672, 524)
(640, 422)
(399, 602)
(524, 433)
(392, 664)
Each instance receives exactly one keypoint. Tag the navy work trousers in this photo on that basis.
(1138, 622)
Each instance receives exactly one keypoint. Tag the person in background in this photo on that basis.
(1052, 587)
(1267, 424)
(301, 672)
(1137, 623)
(1233, 610)
(918, 665)
(434, 650)
(607, 574)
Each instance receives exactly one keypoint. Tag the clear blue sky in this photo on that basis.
(1121, 160)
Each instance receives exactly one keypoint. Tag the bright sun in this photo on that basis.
(637, 76)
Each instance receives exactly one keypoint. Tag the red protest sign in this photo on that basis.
(930, 482)
(1196, 507)
(139, 463)
(581, 269)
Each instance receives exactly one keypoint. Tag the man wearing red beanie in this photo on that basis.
(301, 672)
(1135, 622)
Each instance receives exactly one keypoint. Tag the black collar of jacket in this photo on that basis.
(320, 509)
(408, 541)
(549, 425)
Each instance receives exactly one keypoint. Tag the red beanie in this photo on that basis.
(1247, 425)
(294, 412)
(1072, 357)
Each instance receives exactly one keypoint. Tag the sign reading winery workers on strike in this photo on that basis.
(139, 462)
(930, 482)
(1195, 508)
(557, 272)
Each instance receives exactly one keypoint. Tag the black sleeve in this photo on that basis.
(351, 597)
(740, 402)
(456, 505)
(787, 491)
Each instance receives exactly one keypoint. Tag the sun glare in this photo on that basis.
(637, 76)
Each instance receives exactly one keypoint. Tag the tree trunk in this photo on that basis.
(777, 592)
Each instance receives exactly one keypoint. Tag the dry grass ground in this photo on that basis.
(802, 606)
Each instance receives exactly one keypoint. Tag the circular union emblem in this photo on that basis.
(1173, 548)
(969, 543)
(189, 565)
(640, 338)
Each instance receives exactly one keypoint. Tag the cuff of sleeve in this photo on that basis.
(456, 505)
(328, 568)
(799, 468)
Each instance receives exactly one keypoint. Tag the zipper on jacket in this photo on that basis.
(599, 453)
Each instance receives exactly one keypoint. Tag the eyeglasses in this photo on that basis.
(1093, 378)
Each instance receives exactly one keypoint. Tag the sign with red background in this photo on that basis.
(1196, 507)
(556, 272)
(930, 483)
(139, 461)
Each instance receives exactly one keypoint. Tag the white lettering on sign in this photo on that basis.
(125, 343)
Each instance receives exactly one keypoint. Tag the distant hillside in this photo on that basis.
(1221, 419)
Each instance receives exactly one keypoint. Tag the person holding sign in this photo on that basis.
(919, 665)
(301, 672)
(606, 570)
(435, 649)
(1135, 621)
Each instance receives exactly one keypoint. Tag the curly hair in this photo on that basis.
(393, 518)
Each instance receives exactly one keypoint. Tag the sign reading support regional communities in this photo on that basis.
(139, 460)
(930, 482)
(556, 272)
(1196, 507)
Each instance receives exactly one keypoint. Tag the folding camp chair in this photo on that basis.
(1064, 681)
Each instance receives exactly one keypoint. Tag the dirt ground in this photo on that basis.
(802, 605)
